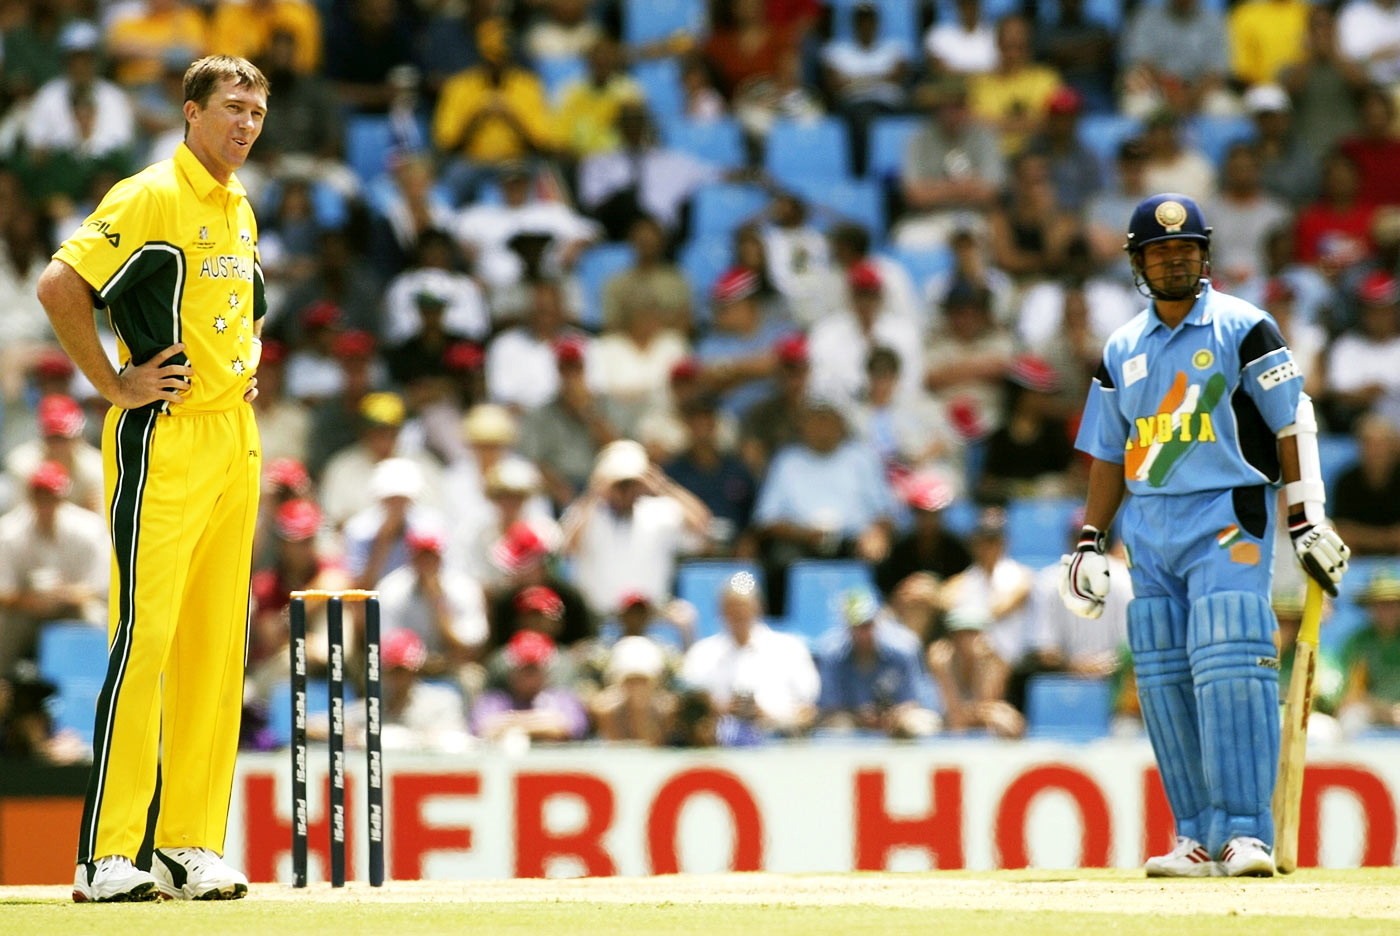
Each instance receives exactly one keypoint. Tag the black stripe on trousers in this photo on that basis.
(133, 450)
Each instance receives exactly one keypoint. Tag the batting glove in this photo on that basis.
(1321, 552)
(1084, 583)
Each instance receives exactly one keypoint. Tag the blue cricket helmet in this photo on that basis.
(1168, 216)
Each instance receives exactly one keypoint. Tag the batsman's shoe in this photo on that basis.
(112, 879)
(1188, 859)
(1246, 857)
(196, 874)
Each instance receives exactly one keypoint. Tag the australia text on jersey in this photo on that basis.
(224, 266)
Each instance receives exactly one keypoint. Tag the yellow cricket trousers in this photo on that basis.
(182, 500)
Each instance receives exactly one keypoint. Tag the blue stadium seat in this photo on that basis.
(1107, 13)
(899, 20)
(661, 84)
(718, 210)
(558, 73)
(1214, 135)
(922, 265)
(699, 582)
(1068, 708)
(960, 517)
(649, 20)
(889, 139)
(702, 261)
(859, 200)
(992, 10)
(595, 267)
(798, 151)
(814, 590)
(1038, 529)
(1102, 134)
(73, 656)
(368, 142)
(720, 142)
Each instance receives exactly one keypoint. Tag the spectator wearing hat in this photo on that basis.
(528, 706)
(1074, 170)
(563, 436)
(376, 538)
(1335, 230)
(416, 716)
(443, 607)
(526, 562)
(1243, 214)
(79, 116)
(522, 363)
(906, 431)
(966, 359)
(634, 705)
(1366, 497)
(928, 548)
(61, 422)
(849, 246)
(717, 477)
(488, 434)
(632, 363)
(434, 280)
(670, 626)
(652, 276)
(313, 374)
(1173, 165)
(1266, 37)
(1030, 455)
(283, 479)
(772, 423)
(1175, 55)
(1371, 659)
(823, 497)
(736, 355)
(627, 531)
(514, 489)
(971, 681)
(872, 672)
(345, 478)
(759, 681)
(1323, 85)
(283, 423)
(839, 344)
(53, 563)
(1361, 363)
(1287, 164)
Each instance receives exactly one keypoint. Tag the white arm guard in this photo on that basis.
(1308, 490)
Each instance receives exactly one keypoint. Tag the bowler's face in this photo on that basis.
(226, 128)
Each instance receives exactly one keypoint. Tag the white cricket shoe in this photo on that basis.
(1188, 859)
(112, 878)
(196, 874)
(1246, 857)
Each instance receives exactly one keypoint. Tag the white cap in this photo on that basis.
(79, 36)
(489, 424)
(635, 656)
(1267, 99)
(396, 477)
(513, 474)
(623, 460)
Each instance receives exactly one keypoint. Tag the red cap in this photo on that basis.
(735, 284)
(792, 350)
(687, 368)
(518, 547)
(320, 314)
(60, 415)
(966, 417)
(864, 277)
(1034, 373)
(53, 364)
(423, 541)
(529, 648)
(289, 473)
(569, 350)
(273, 352)
(353, 344)
(1277, 290)
(631, 600)
(464, 356)
(1064, 100)
(298, 520)
(52, 477)
(542, 599)
(1378, 288)
(401, 648)
(927, 492)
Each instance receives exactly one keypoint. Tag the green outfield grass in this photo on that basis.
(1332, 903)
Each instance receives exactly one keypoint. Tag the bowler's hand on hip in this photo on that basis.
(154, 381)
(1084, 582)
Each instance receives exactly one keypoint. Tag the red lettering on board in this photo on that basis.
(938, 832)
(413, 839)
(1010, 829)
(1377, 810)
(535, 844)
(269, 834)
(672, 797)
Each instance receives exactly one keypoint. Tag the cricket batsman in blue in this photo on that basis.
(1198, 411)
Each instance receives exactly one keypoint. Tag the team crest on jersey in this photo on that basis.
(1202, 359)
(245, 238)
(203, 242)
(1171, 216)
(1157, 442)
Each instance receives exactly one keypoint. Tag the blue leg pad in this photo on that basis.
(1234, 665)
(1157, 635)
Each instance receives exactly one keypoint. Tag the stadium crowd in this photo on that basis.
(567, 295)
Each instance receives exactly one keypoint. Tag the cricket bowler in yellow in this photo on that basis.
(170, 255)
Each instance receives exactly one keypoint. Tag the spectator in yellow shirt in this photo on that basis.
(1014, 96)
(1266, 36)
(245, 28)
(140, 41)
(589, 107)
(496, 112)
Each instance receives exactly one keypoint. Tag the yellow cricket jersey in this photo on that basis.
(173, 256)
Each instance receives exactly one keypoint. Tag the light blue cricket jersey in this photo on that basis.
(1195, 408)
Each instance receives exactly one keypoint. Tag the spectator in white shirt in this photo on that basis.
(376, 539)
(53, 564)
(798, 259)
(521, 368)
(1368, 33)
(57, 118)
(632, 365)
(444, 607)
(965, 46)
(1361, 368)
(1172, 166)
(465, 310)
(626, 532)
(345, 484)
(752, 673)
(996, 590)
(513, 488)
(866, 76)
(839, 344)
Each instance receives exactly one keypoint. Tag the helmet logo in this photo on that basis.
(1171, 216)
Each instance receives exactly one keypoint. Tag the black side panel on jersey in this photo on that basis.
(1257, 441)
(1263, 338)
(1104, 378)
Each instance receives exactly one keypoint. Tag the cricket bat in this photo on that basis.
(1288, 790)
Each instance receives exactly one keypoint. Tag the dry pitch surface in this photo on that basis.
(1081, 903)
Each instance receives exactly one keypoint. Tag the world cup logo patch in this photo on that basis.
(1202, 359)
(1171, 216)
